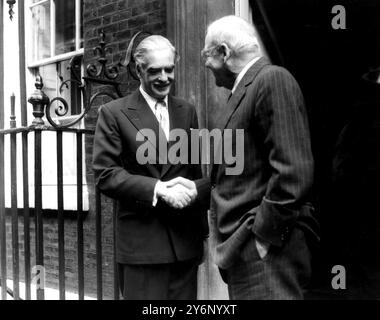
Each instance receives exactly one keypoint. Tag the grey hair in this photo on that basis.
(237, 33)
(154, 42)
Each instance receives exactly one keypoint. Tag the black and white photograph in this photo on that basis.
(203, 151)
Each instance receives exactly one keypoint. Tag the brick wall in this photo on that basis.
(120, 20)
(51, 262)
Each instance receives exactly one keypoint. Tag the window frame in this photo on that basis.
(34, 65)
(243, 9)
(53, 57)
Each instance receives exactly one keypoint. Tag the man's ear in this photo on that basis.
(225, 51)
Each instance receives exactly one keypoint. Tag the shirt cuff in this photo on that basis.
(157, 187)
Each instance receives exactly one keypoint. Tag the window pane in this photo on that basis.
(65, 26)
(41, 31)
(49, 77)
(70, 91)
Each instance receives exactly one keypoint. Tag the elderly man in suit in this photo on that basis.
(161, 219)
(260, 219)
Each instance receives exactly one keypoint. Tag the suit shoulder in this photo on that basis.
(272, 72)
(115, 105)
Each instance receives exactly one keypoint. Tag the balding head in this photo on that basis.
(237, 33)
(230, 44)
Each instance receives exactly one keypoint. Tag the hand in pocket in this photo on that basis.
(262, 247)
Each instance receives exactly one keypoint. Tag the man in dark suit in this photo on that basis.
(260, 219)
(161, 223)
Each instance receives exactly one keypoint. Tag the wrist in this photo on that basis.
(160, 189)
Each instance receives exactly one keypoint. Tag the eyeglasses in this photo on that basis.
(206, 53)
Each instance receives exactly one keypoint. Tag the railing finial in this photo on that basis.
(39, 101)
(11, 3)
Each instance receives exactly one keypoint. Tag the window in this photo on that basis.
(243, 10)
(54, 46)
(56, 39)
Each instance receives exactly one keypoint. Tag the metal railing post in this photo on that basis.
(39, 101)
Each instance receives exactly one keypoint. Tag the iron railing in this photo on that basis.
(38, 210)
(97, 74)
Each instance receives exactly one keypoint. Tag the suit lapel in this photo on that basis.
(235, 100)
(232, 105)
(141, 116)
(177, 120)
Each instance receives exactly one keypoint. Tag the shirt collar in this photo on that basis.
(243, 72)
(150, 100)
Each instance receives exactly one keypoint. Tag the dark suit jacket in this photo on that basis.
(269, 197)
(147, 234)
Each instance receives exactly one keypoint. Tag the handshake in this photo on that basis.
(177, 193)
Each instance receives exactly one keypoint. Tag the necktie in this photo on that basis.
(162, 115)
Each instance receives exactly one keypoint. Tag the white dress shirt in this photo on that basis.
(162, 117)
(161, 112)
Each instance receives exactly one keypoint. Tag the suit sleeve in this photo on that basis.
(282, 119)
(110, 176)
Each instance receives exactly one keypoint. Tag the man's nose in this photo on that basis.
(163, 76)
